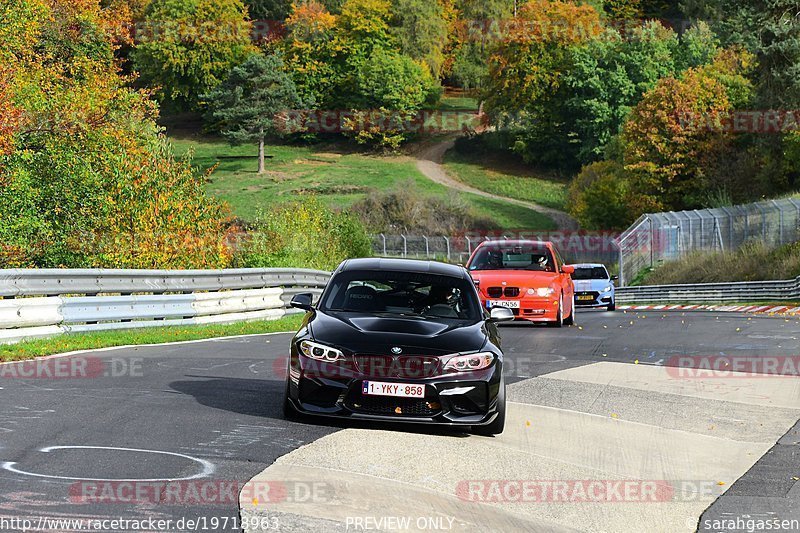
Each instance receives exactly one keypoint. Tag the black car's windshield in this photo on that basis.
(501, 257)
(584, 273)
(402, 294)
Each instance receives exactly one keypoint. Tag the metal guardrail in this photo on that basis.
(43, 303)
(56, 282)
(575, 246)
(740, 292)
(657, 237)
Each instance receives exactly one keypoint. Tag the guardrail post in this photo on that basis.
(427, 247)
(405, 246)
(797, 219)
(384, 244)
(621, 263)
(469, 245)
(730, 229)
(780, 220)
(446, 240)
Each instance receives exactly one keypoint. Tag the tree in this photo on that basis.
(526, 73)
(476, 27)
(86, 180)
(312, 54)
(364, 25)
(395, 86)
(768, 28)
(247, 102)
(193, 46)
(623, 9)
(392, 81)
(599, 196)
(421, 30)
(269, 10)
(676, 133)
(610, 74)
(10, 115)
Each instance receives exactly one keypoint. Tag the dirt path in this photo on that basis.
(429, 162)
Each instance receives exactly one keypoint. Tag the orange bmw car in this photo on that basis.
(528, 277)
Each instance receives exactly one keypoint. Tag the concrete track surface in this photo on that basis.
(604, 433)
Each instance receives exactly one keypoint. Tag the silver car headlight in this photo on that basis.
(607, 289)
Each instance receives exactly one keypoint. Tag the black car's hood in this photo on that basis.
(378, 334)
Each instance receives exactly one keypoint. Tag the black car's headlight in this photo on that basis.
(470, 362)
(320, 352)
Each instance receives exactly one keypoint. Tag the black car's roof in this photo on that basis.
(403, 265)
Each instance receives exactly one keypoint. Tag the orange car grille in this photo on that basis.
(499, 292)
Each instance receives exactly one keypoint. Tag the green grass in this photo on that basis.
(337, 177)
(106, 339)
(498, 175)
(755, 261)
(458, 102)
(510, 216)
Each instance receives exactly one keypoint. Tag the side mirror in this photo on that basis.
(568, 269)
(614, 278)
(303, 301)
(501, 314)
(477, 282)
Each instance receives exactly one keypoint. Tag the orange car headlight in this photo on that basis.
(545, 291)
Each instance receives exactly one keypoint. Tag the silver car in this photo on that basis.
(594, 287)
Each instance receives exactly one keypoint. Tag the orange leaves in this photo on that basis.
(675, 133)
(528, 60)
(158, 216)
(10, 115)
(309, 20)
(12, 256)
(564, 23)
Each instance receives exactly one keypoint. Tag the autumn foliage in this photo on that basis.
(670, 138)
(85, 178)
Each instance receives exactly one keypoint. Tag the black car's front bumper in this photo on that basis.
(463, 399)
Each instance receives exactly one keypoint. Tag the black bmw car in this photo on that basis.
(400, 341)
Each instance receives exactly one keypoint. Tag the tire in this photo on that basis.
(559, 321)
(497, 426)
(612, 306)
(570, 320)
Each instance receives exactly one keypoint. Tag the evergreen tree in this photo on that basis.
(246, 103)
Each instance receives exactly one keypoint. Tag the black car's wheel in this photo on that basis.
(499, 423)
(559, 321)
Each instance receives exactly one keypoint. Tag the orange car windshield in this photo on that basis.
(535, 258)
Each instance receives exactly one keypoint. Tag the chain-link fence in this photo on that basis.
(664, 236)
(575, 247)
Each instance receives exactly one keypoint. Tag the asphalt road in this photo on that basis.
(211, 411)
